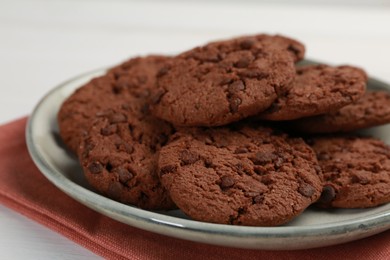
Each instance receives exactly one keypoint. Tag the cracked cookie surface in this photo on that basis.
(134, 77)
(251, 176)
(318, 89)
(225, 81)
(371, 110)
(119, 155)
(355, 171)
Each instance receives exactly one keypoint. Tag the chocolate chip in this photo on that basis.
(225, 81)
(279, 162)
(306, 190)
(259, 170)
(258, 199)
(323, 156)
(275, 107)
(188, 157)
(261, 158)
(241, 150)
(247, 43)
(234, 103)
(242, 63)
(318, 169)
(109, 130)
(236, 86)
(253, 74)
(103, 113)
(114, 190)
(359, 178)
(208, 163)
(164, 70)
(117, 118)
(143, 197)
(208, 141)
(118, 87)
(108, 167)
(267, 180)
(167, 169)
(221, 143)
(124, 175)
(156, 98)
(294, 50)
(88, 146)
(226, 182)
(327, 195)
(95, 168)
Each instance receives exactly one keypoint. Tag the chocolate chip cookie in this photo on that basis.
(244, 175)
(373, 109)
(135, 77)
(119, 155)
(318, 89)
(355, 171)
(225, 81)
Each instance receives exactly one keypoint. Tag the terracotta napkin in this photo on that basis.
(24, 189)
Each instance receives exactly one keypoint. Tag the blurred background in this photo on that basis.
(43, 43)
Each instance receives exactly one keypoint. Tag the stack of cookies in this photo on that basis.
(233, 132)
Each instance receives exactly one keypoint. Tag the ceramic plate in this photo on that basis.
(314, 228)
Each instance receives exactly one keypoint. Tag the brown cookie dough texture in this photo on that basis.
(355, 171)
(373, 109)
(225, 81)
(135, 77)
(318, 89)
(120, 152)
(244, 176)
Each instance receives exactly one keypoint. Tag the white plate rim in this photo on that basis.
(280, 238)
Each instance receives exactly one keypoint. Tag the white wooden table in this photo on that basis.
(43, 43)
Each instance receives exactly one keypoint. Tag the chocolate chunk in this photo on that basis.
(188, 157)
(114, 190)
(247, 43)
(226, 182)
(263, 157)
(241, 150)
(242, 63)
(328, 194)
(167, 169)
(124, 175)
(236, 86)
(306, 190)
(95, 167)
(234, 103)
(117, 118)
(109, 130)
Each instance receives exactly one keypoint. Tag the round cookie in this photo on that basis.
(119, 155)
(355, 171)
(225, 81)
(244, 176)
(373, 109)
(318, 89)
(135, 77)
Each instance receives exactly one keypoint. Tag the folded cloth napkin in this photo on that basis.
(24, 189)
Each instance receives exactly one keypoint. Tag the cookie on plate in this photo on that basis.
(355, 171)
(119, 155)
(251, 176)
(318, 89)
(225, 81)
(373, 109)
(134, 77)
